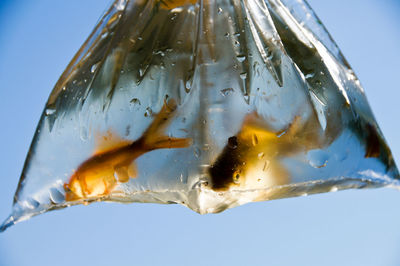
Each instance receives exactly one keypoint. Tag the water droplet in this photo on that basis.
(188, 85)
(232, 142)
(50, 110)
(104, 35)
(266, 166)
(127, 130)
(227, 91)
(204, 184)
(142, 71)
(319, 98)
(243, 75)
(281, 133)
(219, 10)
(226, 35)
(197, 152)
(113, 21)
(260, 155)
(120, 5)
(241, 58)
(254, 140)
(135, 101)
(83, 133)
(159, 53)
(310, 75)
(189, 80)
(317, 158)
(148, 112)
(32, 203)
(56, 196)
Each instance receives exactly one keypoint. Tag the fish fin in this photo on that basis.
(122, 174)
(161, 121)
(279, 172)
(108, 141)
(255, 127)
(293, 129)
(153, 137)
(132, 170)
(172, 143)
(119, 57)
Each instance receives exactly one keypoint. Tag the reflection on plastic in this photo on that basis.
(209, 104)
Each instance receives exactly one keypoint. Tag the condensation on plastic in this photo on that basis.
(210, 104)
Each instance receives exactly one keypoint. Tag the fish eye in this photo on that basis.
(236, 177)
(66, 188)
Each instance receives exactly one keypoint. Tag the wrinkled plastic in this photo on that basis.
(209, 104)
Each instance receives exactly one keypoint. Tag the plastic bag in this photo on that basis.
(209, 104)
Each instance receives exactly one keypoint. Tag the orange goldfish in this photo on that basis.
(98, 175)
(252, 158)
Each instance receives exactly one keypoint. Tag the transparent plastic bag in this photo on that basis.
(209, 104)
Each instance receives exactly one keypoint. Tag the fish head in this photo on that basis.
(73, 189)
(229, 168)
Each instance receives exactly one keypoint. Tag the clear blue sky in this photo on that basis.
(38, 39)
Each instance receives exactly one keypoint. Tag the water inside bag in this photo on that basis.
(210, 104)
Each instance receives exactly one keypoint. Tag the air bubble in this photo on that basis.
(254, 140)
(50, 111)
(135, 101)
(148, 112)
(227, 91)
(317, 158)
(197, 152)
(241, 58)
(32, 203)
(83, 133)
(310, 75)
(56, 196)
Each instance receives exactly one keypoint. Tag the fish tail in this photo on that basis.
(154, 137)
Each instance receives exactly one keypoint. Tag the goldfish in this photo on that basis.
(99, 175)
(251, 159)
